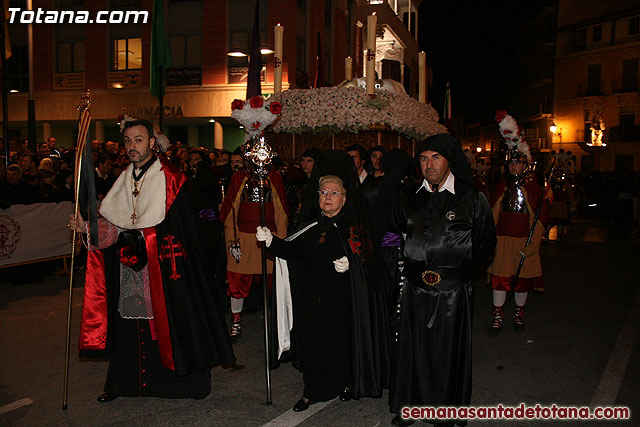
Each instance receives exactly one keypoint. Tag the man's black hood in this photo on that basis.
(450, 149)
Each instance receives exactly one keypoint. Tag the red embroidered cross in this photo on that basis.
(276, 62)
(354, 240)
(170, 250)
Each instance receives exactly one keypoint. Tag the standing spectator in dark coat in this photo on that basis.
(16, 191)
(29, 165)
(103, 177)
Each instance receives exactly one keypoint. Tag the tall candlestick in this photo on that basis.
(348, 63)
(372, 21)
(278, 32)
(422, 77)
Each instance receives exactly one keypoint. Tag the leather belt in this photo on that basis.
(441, 279)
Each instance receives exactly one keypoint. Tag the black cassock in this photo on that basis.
(446, 236)
(336, 340)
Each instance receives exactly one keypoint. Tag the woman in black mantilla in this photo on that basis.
(336, 337)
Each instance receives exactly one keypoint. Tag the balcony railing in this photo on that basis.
(623, 86)
(590, 90)
(624, 134)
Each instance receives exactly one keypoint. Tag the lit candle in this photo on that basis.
(422, 79)
(278, 31)
(348, 63)
(372, 21)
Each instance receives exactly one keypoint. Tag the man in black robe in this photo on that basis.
(148, 299)
(448, 228)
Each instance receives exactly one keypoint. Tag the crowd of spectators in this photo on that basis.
(48, 175)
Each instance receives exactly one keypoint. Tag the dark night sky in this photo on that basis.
(473, 45)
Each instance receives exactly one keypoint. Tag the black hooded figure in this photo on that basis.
(341, 322)
(448, 228)
(378, 192)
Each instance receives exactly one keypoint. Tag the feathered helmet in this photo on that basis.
(517, 147)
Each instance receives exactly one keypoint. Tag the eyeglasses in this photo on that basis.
(326, 193)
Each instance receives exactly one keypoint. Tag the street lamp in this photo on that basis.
(236, 53)
(555, 131)
(265, 50)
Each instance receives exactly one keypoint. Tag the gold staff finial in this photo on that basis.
(85, 100)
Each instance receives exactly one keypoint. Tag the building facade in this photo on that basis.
(597, 90)
(536, 59)
(113, 60)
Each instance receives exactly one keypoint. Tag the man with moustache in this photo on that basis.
(148, 299)
(448, 229)
(236, 161)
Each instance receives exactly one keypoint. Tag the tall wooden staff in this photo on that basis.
(83, 128)
(261, 155)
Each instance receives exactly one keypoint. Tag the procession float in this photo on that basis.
(339, 116)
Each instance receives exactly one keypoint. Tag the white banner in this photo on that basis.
(33, 232)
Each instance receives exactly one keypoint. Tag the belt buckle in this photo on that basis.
(431, 278)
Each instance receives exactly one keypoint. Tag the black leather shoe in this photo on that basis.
(107, 397)
(302, 405)
(399, 421)
(345, 395)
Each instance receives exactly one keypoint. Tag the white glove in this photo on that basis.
(263, 234)
(341, 264)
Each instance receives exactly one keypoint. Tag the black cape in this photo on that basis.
(365, 346)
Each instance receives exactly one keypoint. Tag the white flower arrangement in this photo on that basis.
(335, 110)
(255, 114)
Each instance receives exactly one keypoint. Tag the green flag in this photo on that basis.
(160, 52)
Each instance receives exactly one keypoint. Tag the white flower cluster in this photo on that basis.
(336, 109)
(255, 115)
(512, 135)
(122, 120)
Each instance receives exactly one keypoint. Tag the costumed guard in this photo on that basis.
(148, 297)
(514, 203)
(448, 230)
(331, 306)
(240, 214)
(563, 202)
